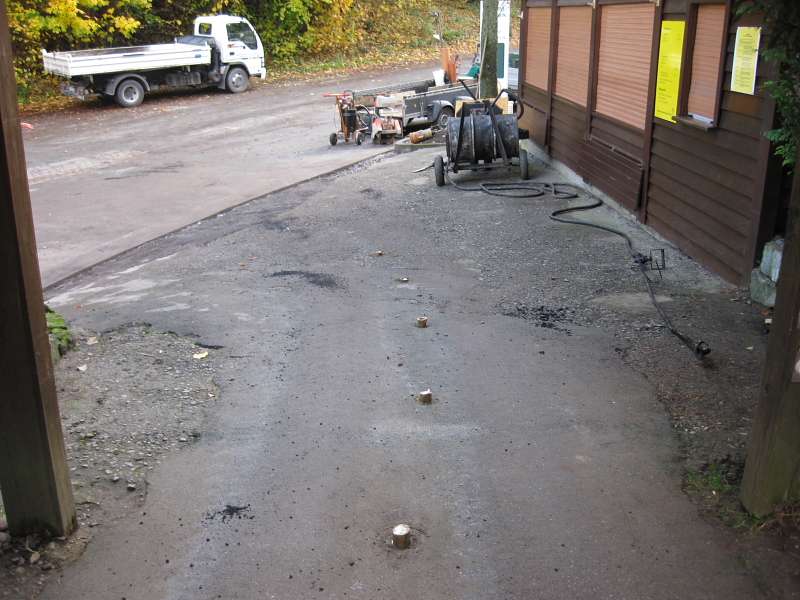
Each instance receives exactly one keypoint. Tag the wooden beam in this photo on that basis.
(34, 478)
(555, 18)
(772, 470)
(647, 154)
(594, 61)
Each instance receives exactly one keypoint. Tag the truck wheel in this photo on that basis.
(444, 115)
(129, 93)
(438, 170)
(237, 80)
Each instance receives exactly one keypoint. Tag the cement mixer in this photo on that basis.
(480, 138)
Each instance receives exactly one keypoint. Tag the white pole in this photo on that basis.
(504, 38)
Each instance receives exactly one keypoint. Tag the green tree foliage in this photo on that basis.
(167, 19)
(782, 43)
(324, 27)
(57, 24)
(285, 26)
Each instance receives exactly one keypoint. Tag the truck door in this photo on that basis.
(244, 46)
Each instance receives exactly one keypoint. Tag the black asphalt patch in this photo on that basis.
(323, 280)
(548, 317)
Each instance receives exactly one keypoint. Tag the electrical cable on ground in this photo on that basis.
(568, 191)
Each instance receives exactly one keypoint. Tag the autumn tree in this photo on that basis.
(60, 24)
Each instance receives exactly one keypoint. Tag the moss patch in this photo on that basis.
(58, 328)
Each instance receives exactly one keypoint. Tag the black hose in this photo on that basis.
(567, 191)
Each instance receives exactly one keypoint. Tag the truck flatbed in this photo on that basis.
(416, 103)
(76, 63)
(419, 105)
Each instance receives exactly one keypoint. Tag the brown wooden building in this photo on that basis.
(595, 73)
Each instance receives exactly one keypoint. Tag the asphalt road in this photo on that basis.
(105, 179)
(545, 468)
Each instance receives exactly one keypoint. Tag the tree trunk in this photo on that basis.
(488, 78)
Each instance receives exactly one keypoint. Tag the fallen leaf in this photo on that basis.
(200, 355)
(91, 341)
(83, 368)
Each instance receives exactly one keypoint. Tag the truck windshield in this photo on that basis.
(242, 32)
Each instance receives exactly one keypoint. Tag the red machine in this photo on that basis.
(354, 121)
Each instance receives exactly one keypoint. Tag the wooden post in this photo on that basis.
(34, 478)
(772, 470)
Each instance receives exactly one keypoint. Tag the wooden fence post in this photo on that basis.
(772, 470)
(34, 478)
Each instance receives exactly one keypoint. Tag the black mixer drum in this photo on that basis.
(480, 140)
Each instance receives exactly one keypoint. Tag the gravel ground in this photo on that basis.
(509, 260)
(128, 397)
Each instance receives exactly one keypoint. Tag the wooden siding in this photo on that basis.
(574, 50)
(705, 190)
(534, 118)
(605, 159)
(537, 50)
(704, 185)
(708, 41)
(623, 74)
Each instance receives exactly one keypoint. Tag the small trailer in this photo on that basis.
(435, 106)
(224, 51)
(418, 103)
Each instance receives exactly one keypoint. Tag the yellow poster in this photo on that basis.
(745, 60)
(670, 55)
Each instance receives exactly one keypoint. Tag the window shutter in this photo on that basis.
(708, 40)
(537, 48)
(623, 72)
(574, 50)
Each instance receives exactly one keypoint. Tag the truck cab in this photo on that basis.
(236, 40)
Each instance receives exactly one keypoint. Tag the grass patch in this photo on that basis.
(715, 478)
(716, 485)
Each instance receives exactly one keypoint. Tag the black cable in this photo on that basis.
(567, 191)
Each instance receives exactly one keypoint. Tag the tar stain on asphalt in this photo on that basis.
(322, 280)
(548, 317)
(372, 193)
(230, 512)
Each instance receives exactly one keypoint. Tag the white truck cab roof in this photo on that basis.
(221, 19)
(210, 25)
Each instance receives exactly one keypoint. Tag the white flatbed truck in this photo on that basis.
(224, 51)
